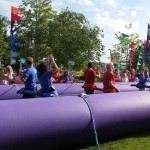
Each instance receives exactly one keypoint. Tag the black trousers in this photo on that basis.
(29, 95)
(89, 91)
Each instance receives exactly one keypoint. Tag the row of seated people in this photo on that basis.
(45, 77)
(65, 78)
(111, 76)
(8, 77)
(108, 79)
(130, 76)
(44, 73)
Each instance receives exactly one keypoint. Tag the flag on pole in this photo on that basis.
(15, 15)
(15, 10)
(148, 39)
(14, 42)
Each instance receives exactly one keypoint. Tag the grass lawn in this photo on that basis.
(136, 142)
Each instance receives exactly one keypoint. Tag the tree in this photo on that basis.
(73, 39)
(4, 39)
(67, 35)
(33, 28)
(130, 48)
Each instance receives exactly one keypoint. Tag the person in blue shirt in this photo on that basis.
(143, 78)
(45, 78)
(30, 78)
(66, 78)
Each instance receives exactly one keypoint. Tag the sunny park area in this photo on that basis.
(37, 30)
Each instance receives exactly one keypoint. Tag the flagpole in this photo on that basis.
(11, 37)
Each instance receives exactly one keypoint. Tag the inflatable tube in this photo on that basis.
(65, 122)
(9, 91)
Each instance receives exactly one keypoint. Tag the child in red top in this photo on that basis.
(89, 78)
(117, 76)
(109, 80)
(56, 76)
(18, 79)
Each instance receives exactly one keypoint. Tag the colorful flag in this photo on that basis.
(15, 10)
(133, 44)
(14, 39)
(15, 17)
(124, 35)
(148, 39)
(122, 50)
(14, 42)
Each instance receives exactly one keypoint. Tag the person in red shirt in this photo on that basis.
(109, 80)
(56, 76)
(89, 77)
(117, 76)
(133, 75)
(18, 79)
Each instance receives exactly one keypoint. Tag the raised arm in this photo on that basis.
(52, 60)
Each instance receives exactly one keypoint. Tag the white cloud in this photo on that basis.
(106, 13)
(5, 10)
(148, 15)
(72, 1)
(4, 3)
(57, 3)
(83, 2)
(133, 13)
(5, 7)
(92, 9)
(112, 3)
(116, 24)
(121, 13)
(120, 26)
(112, 26)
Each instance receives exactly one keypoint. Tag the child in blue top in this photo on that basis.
(66, 78)
(45, 78)
(30, 78)
(143, 77)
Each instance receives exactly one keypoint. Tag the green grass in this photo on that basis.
(136, 142)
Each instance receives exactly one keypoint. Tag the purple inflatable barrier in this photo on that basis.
(10, 91)
(65, 122)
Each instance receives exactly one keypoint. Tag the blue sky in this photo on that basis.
(109, 15)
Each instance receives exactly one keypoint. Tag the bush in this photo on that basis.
(79, 78)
